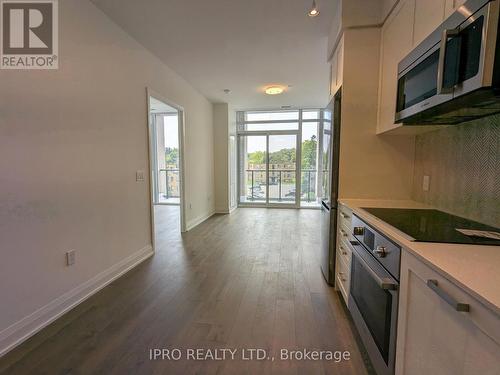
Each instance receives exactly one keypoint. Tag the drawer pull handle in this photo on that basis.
(343, 250)
(433, 284)
(341, 276)
(347, 217)
(343, 233)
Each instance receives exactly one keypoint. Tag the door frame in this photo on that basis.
(182, 131)
(298, 172)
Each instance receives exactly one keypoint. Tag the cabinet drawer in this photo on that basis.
(344, 252)
(342, 278)
(345, 216)
(344, 233)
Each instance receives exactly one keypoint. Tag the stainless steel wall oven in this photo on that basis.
(373, 298)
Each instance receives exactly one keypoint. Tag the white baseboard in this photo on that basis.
(225, 211)
(31, 324)
(200, 219)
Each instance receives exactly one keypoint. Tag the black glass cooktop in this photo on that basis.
(433, 226)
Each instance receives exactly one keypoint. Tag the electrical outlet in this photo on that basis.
(139, 176)
(70, 257)
(426, 183)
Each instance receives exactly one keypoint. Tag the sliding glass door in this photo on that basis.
(253, 169)
(282, 166)
(268, 169)
(310, 160)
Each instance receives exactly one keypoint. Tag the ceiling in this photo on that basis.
(241, 45)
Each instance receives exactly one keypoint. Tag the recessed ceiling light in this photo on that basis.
(314, 11)
(274, 90)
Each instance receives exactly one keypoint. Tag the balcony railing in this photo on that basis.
(171, 184)
(284, 180)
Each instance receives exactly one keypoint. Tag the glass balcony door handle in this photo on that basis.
(433, 284)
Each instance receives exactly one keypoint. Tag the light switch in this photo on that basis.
(139, 176)
(70, 257)
(426, 183)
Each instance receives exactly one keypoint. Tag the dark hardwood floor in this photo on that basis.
(246, 280)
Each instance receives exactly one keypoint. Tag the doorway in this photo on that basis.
(166, 156)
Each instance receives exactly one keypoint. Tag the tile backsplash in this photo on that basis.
(463, 162)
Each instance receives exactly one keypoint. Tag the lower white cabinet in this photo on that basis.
(344, 252)
(435, 338)
(342, 277)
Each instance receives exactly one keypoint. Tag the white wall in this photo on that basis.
(224, 128)
(221, 157)
(70, 143)
(233, 160)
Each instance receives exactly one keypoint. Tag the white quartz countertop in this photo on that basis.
(474, 268)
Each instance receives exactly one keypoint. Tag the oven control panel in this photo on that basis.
(380, 247)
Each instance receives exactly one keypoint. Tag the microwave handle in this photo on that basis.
(442, 55)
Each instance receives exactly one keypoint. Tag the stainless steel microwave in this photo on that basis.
(453, 76)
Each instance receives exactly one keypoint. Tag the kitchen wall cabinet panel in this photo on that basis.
(333, 74)
(451, 6)
(397, 41)
(337, 68)
(429, 14)
(434, 338)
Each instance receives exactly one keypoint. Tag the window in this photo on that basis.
(272, 116)
(270, 170)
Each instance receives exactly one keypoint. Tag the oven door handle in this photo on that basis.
(383, 282)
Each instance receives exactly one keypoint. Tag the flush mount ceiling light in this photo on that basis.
(274, 90)
(314, 11)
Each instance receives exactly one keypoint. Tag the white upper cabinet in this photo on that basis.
(340, 63)
(407, 26)
(333, 74)
(397, 41)
(337, 67)
(429, 14)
